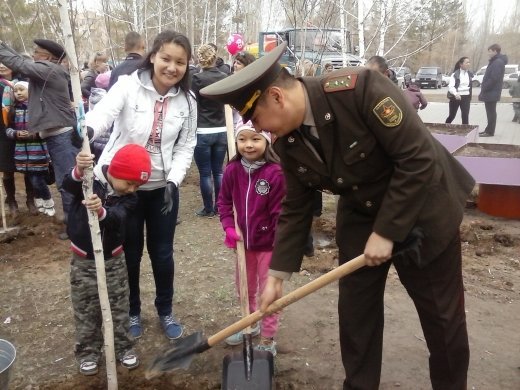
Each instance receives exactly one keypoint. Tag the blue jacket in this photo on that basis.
(491, 87)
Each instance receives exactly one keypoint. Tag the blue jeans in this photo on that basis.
(63, 156)
(160, 231)
(40, 188)
(209, 156)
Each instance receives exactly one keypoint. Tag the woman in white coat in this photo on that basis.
(153, 107)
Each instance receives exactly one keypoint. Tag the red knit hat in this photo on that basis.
(131, 162)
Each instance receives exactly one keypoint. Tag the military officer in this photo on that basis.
(352, 132)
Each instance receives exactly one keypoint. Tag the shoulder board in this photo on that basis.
(341, 82)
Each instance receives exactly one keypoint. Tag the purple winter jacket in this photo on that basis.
(258, 201)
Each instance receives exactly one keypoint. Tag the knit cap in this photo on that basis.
(131, 162)
(249, 127)
(24, 84)
(103, 79)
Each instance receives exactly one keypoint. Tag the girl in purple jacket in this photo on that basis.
(253, 182)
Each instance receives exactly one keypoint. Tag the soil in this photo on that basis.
(489, 150)
(36, 315)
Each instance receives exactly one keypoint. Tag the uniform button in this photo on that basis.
(309, 184)
(362, 155)
(339, 180)
(327, 116)
(290, 139)
(355, 188)
(302, 169)
(368, 203)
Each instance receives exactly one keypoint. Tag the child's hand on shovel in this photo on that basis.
(272, 291)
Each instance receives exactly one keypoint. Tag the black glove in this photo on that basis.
(169, 192)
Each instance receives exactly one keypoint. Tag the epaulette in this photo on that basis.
(345, 80)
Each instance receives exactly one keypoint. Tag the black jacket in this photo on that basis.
(128, 66)
(210, 112)
(112, 226)
(491, 87)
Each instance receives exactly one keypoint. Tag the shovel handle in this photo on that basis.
(286, 300)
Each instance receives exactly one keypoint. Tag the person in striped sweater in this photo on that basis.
(31, 156)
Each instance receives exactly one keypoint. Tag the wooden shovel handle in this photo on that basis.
(286, 300)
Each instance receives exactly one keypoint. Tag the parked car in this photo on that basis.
(404, 76)
(509, 70)
(509, 80)
(429, 77)
(445, 80)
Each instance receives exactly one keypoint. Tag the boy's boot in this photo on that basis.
(38, 202)
(49, 207)
(10, 200)
(29, 193)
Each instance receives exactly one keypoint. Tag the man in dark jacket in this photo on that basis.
(51, 111)
(134, 48)
(353, 133)
(491, 87)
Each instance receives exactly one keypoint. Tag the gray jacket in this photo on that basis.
(50, 105)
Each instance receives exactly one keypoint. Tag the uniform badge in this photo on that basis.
(262, 187)
(388, 113)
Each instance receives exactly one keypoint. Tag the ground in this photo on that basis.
(36, 316)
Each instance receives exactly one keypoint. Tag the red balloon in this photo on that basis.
(235, 43)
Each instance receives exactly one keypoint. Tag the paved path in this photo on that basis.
(506, 132)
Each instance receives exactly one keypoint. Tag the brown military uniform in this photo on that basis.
(392, 176)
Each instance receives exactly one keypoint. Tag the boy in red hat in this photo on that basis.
(114, 196)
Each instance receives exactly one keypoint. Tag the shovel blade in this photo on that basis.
(234, 375)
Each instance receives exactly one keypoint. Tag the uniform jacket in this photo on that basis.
(129, 107)
(491, 87)
(389, 171)
(257, 197)
(49, 94)
(112, 225)
(210, 112)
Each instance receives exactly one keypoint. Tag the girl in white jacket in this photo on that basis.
(153, 107)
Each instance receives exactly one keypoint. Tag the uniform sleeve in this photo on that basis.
(408, 145)
(277, 194)
(294, 224)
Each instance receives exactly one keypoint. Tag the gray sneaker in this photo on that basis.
(237, 338)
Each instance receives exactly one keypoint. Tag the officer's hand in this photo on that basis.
(93, 203)
(169, 191)
(231, 238)
(84, 160)
(272, 291)
(378, 249)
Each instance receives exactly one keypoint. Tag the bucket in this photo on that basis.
(7, 356)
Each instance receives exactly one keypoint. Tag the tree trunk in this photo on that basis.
(95, 231)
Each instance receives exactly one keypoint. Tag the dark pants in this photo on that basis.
(491, 113)
(160, 231)
(41, 190)
(454, 105)
(63, 156)
(209, 156)
(438, 294)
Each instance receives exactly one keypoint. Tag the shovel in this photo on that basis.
(184, 350)
(248, 369)
(4, 229)
(180, 355)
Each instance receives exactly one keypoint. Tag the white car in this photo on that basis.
(445, 80)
